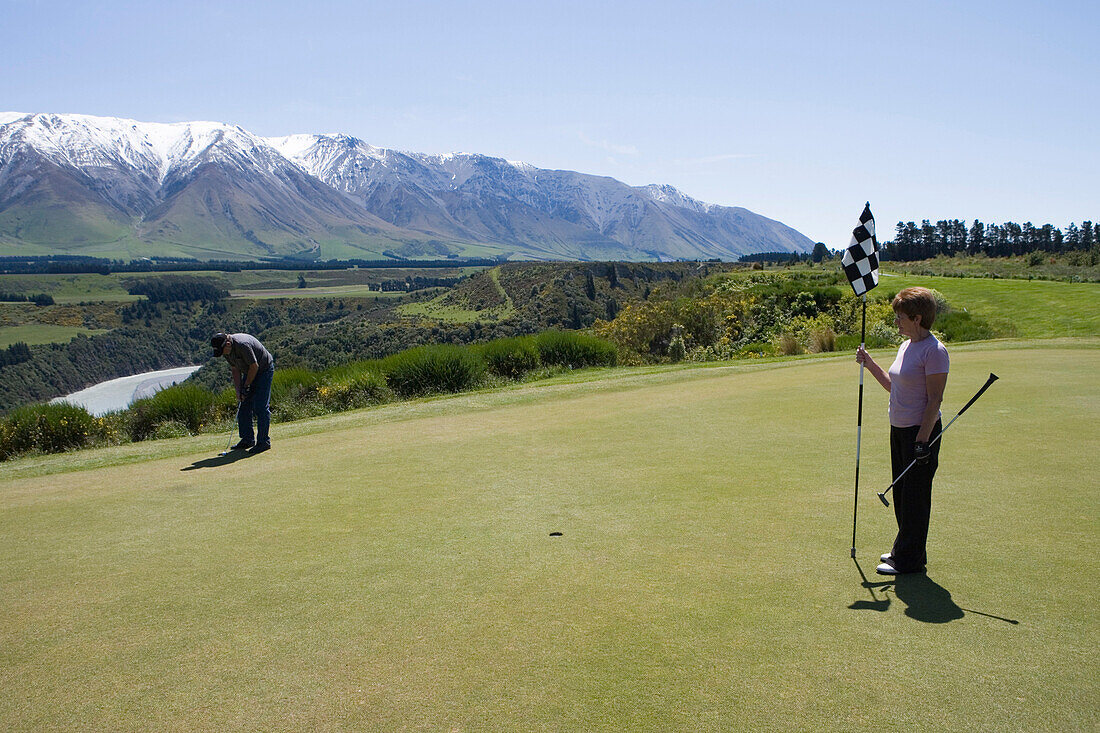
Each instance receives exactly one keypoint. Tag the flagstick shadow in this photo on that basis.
(1012, 621)
(875, 604)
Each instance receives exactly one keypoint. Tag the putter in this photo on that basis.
(991, 380)
(230, 443)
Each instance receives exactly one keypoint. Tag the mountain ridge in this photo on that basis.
(79, 184)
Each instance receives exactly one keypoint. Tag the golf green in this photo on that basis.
(394, 568)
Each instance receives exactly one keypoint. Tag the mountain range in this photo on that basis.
(109, 187)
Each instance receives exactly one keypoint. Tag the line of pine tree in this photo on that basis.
(37, 299)
(912, 242)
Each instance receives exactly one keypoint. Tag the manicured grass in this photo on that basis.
(42, 334)
(392, 567)
(1023, 308)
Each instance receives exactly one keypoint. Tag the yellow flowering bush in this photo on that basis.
(50, 428)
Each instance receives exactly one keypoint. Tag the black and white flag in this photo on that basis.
(860, 260)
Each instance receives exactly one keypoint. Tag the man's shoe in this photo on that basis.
(885, 557)
(243, 445)
(258, 449)
(888, 568)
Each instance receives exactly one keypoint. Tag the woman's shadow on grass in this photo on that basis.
(925, 599)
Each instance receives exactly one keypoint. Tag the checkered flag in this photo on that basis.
(860, 260)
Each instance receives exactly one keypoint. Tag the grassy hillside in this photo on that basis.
(113, 287)
(394, 568)
(43, 334)
(1024, 308)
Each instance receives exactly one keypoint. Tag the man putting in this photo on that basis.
(253, 368)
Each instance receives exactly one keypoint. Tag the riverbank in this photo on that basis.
(118, 394)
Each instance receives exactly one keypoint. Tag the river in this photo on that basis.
(117, 394)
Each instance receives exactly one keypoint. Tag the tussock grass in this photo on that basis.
(512, 357)
(433, 369)
(574, 349)
(186, 404)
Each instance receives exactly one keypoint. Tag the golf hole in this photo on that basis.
(555, 534)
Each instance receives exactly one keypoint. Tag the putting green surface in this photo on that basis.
(393, 568)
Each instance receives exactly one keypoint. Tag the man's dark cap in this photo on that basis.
(218, 342)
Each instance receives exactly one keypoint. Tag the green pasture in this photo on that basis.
(444, 307)
(1079, 266)
(392, 568)
(338, 291)
(344, 282)
(78, 288)
(251, 280)
(1024, 308)
(43, 334)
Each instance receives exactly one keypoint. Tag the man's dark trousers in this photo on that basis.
(259, 404)
(912, 498)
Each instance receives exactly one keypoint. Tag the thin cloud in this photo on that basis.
(711, 159)
(608, 146)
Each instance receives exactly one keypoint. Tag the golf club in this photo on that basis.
(991, 380)
(229, 444)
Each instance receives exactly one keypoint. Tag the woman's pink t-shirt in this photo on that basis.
(908, 390)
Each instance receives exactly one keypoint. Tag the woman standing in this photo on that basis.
(915, 381)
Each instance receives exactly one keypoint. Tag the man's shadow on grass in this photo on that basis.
(925, 599)
(219, 460)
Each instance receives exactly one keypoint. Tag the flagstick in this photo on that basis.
(859, 422)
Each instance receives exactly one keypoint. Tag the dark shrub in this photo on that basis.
(850, 342)
(757, 349)
(574, 350)
(432, 369)
(46, 428)
(511, 357)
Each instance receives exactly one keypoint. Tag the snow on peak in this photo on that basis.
(6, 117)
(293, 146)
(341, 161)
(155, 148)
(666, 194)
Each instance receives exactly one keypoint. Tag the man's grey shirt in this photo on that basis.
(245, 351)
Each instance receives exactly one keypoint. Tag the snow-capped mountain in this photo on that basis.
(91, 185)
(96, 185)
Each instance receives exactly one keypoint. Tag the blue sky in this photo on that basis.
(799, 111)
